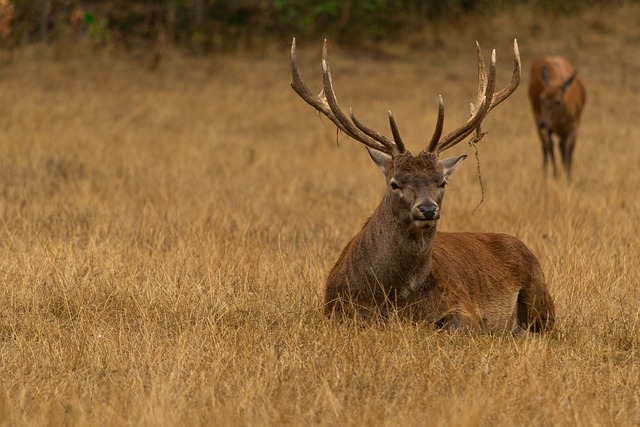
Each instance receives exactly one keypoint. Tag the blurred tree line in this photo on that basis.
(216, 24)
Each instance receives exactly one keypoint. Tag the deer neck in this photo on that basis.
(395, 247)
(393, 256)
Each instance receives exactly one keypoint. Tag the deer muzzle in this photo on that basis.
(425, 215)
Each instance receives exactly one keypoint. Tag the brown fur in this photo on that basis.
(557, 98)
(398, 263)
(472, 281)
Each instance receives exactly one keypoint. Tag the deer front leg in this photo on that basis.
(547, 150)
(459, 319)
(567, 145)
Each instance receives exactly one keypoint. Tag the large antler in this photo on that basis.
(327, 103)
(479, 109)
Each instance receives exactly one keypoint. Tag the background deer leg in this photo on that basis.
(567, 144)
(547, 150)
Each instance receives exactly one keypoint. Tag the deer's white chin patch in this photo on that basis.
(424, 224)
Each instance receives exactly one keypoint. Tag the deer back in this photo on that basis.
(481, 275)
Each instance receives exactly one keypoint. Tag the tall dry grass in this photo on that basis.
(165, 237)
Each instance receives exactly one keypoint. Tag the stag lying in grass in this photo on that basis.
(398, 263)
(557, 98)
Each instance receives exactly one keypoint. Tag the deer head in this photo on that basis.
(415, 184)
(551, 99)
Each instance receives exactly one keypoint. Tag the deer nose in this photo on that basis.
(428, 211)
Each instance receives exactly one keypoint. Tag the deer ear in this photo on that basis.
(568, 82)
(451, 164)
(382, 160)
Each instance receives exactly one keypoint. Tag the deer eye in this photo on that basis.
(394, 185)
(443, 184)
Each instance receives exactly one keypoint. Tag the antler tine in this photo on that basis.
(396, 133)
(300, 87)
(321, 103)
(376, 140)
(482, 88)
(506, 91)
(439, 125)
(482, 78)
(479, 110)
(515, 79)
(395, 147)
(486, 99)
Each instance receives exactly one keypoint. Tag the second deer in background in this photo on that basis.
(557, 98)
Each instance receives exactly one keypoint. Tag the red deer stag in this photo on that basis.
(399, 263)
(557, 98)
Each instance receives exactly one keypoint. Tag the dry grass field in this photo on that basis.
(165, 236)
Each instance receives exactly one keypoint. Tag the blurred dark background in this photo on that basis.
(226, 25)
